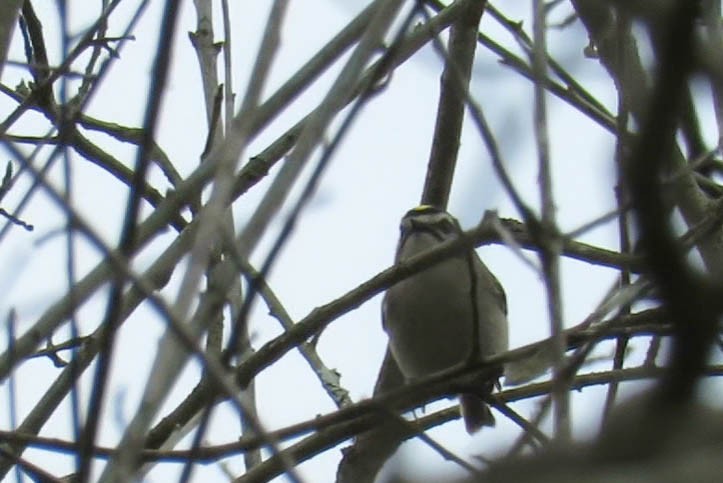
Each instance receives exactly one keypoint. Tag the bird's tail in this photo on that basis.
(475, 412)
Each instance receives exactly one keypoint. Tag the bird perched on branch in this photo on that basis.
(452, 313)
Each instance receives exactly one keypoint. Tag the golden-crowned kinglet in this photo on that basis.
(430, 316)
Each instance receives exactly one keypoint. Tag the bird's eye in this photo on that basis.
(446, 226)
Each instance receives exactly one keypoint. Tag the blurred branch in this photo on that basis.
(119, 467)
(711, 18)
(221, 289)
(187, 190)
(172, 356)
(569, 91)
(574, 91)
(451, 106)
(316, 321)
(546, 232)
(315, 124)
(249, 175)
(36, 94)
(693, 303)
(331, 429)
(620, 57)
(8, 16)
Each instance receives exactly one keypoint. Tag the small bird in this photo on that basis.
(430, 317)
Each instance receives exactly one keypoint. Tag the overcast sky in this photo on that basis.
(347, 234)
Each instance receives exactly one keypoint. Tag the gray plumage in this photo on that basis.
(429, 316)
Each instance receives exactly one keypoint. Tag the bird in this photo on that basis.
(430, 317)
